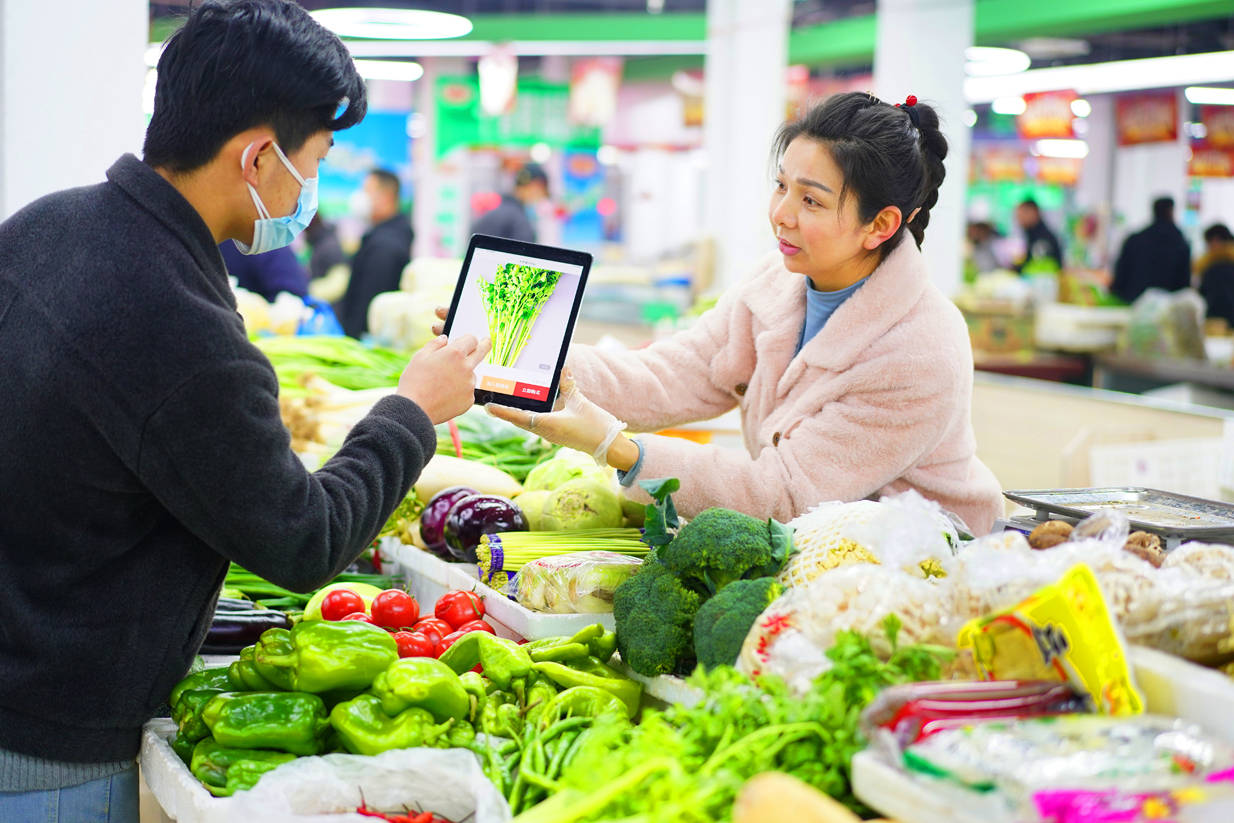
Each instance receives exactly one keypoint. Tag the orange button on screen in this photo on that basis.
(497, 384)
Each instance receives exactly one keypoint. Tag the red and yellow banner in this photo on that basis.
(999, 163)
(1047, 114)
(1151, 117)
(1060, 171)
(1219, 125)
(1208, 160)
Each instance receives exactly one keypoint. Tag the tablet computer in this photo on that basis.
(526, 298)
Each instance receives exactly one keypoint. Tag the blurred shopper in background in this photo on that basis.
(982, 246)
(1157, 257)
(1040, 243)
(1215, 271)
(266, 274)
(385, 250)
(514, 217)
(325, 250)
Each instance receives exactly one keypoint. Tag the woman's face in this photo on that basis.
(818, 237)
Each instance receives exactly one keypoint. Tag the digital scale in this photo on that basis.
(1175, 518)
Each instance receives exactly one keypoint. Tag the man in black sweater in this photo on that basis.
(385, 250)
(141, 439)
(1157, 257)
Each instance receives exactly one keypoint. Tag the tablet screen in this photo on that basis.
(525, 303)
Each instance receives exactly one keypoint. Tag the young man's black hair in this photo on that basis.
(285, 71)
(388, 180)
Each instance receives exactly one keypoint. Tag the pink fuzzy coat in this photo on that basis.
(877, 403)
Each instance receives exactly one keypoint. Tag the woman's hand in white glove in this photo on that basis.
(576, 423)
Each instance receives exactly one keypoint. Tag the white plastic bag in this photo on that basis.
(447, 782)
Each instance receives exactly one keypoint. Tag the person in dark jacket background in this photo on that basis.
(385, 250)
(1039, 242)
(511, 219)
(143, 447)
(1215, 271)
(266, 274)
(1157, 257)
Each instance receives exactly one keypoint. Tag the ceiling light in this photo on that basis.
(986, 61)
(1081, 107)
(1115, 76)
(541, 153)
(607, 155)
(1203, 96)
(401, 70)
(1197, 131)
(1075, 149)
(1052, 48)
(393, 24)
(970, 118)
(1009, 105)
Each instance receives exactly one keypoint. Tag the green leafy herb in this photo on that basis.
(513, 300)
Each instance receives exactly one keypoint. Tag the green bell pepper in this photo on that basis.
(505, 663)
(188, 713)
(213, 763)
(294, 722)
(205, 679)
(183, 747)
(424, 683)
(364, 728)
(324, 655)
(591, 672)
(243, 674)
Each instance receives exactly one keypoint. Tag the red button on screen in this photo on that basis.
(533, 392)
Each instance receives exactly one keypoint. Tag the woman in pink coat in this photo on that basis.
(853, 373)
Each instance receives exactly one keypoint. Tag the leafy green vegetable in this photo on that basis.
(661, 524)
(345, 362)
(687, 764)
(513, 300)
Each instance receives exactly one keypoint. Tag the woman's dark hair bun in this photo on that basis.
(888, 156)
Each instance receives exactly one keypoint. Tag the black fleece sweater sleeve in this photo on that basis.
(217, 456)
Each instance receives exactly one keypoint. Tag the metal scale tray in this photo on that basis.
(1175, 517)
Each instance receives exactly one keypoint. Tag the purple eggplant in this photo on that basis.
(433, 519)
(478, 515)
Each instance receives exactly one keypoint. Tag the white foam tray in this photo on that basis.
(429, 577)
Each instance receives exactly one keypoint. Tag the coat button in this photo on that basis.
(740, 388)
(775, 439)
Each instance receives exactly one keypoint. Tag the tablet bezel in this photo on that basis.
(548, 253)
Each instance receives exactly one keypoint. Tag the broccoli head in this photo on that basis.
(721, 625)
(720, 546)
(654, 614)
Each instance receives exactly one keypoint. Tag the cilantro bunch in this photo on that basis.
(687, 764)
(513, 300)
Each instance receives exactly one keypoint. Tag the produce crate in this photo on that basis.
(1171, 686)
(455, 785)
(429, 577)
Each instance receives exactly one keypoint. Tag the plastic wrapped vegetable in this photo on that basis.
(580, 583)
(905, 531)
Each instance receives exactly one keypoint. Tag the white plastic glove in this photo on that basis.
(575, 421)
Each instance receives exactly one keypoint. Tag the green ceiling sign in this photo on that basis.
(540, 115)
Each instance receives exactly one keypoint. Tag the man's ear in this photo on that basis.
(251, 148)
(883, 226)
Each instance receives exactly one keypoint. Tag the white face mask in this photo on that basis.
(270, 233)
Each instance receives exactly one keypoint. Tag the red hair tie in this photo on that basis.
(908, 105)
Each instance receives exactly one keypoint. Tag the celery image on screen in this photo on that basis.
(512, 301)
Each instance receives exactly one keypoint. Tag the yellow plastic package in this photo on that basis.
(1064, 632)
